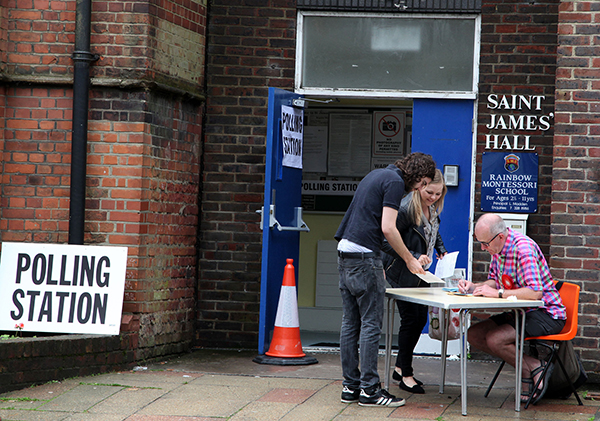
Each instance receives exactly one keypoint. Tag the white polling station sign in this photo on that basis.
(292, 128)
(62, 288)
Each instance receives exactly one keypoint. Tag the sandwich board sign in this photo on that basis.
(62, 288)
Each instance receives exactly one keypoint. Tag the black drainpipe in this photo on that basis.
(82, 58)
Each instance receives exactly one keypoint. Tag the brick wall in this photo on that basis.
(518, 57)
(2, 111)
(37, 40)
(250, 49)
(144, 160)
(27, 361)
(575, 193)
(159, 42)
(143, 186)
(36, 164)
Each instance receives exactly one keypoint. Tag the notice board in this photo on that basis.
(509, 182)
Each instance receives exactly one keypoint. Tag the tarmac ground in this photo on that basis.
(217, 385)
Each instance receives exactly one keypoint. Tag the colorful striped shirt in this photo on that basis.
(522, 260)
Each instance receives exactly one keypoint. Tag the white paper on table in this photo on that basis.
(445, 267)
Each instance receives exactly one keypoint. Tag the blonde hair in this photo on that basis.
(415, 207)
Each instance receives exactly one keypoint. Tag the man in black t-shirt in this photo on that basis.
(370, 218)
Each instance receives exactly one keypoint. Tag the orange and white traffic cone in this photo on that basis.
(286, 347)
(286, 334)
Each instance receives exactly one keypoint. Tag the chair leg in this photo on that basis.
(562, 367)
(487, 392)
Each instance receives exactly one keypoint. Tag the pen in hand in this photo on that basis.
(463, 286)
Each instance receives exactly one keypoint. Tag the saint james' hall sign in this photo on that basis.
(509, 175)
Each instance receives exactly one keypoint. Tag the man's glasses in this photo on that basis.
(487, 243)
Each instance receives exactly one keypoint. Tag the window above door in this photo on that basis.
(384, 55)
(395, 6)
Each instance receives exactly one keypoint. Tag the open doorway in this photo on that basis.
(375, 133)
(339, 151)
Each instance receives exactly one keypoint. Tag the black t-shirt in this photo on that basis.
(361, 224)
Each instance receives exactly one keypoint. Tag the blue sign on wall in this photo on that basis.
(509, 182)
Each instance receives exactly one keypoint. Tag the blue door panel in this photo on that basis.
(283, 189)
(443, 129)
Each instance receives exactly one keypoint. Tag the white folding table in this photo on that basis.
(438, 297)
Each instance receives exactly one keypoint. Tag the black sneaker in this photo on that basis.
(350, 395)
(376, 396)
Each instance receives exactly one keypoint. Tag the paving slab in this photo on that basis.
(218, 385)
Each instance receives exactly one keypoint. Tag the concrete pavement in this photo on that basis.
(211, 385)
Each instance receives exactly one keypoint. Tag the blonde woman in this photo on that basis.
(418, 222)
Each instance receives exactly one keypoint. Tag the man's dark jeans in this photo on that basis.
(362, 285)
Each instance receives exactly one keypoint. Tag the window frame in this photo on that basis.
(384, 93)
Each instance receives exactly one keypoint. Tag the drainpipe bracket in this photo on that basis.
(85, 56)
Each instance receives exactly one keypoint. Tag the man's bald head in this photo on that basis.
(491, 223)
(490, 230)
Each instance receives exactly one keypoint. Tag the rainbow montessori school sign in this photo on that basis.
(62, 288)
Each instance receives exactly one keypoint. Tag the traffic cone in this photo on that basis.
(286, 347)
(286, 335)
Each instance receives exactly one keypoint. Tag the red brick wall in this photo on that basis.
(250, 49)
(39, 40)
(159, 41)
(518, 57)
(143, 187)
(27, 361)
(36, 165)
(575, 192)
(156, 41)
(144, 151)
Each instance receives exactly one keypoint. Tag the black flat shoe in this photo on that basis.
(418, 389)
(398, 378)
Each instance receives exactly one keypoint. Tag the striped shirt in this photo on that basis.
(522, 260)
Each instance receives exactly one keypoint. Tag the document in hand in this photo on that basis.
(445, 267)
(430, 278)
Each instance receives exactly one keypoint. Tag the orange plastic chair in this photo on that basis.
(569, 294)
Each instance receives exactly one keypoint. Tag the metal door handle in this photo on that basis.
(299, 224)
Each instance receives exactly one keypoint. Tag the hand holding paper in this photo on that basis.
(445, 267)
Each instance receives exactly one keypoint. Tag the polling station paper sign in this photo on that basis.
(62, 288)
(292, 128)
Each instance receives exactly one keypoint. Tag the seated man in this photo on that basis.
(518, 268)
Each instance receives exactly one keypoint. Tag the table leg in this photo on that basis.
(519, 348)
(446, 319)
(463, 359)
(389, 329)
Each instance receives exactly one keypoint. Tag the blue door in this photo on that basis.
(282, 197)
(443, 129)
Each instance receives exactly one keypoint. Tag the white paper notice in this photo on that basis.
(349, 145)
(291, 136)
(314, 155)
(445, 267)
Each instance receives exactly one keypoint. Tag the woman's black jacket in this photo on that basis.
(396, 271)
